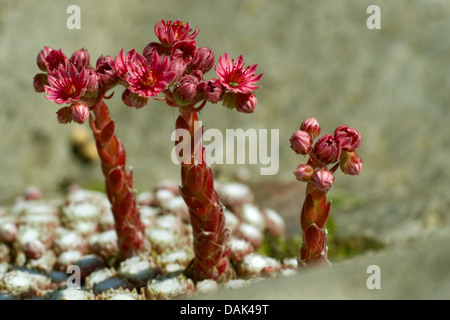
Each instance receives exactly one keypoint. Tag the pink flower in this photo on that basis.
(146, 78)
(234, 77)
(350, 163)
(304, 172)
(121, 62)
(311, 126)
(170, 32)
(54, 60)
(326, 150)
(67, 85)
(322, 179)
(301, 142)
(348, 138)
(79, 112)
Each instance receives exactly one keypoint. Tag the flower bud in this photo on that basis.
(246, 102)
(106, 70)
(322, 179)
(204, 61)
(304, 172)
(186, 90)
(41, 58)
(79, 112)
(326, 150)
(301, 142)
(93, 81)
(243, 102)
(350, 163)
(212, 90)
(80, 59)
(348, 138)
(133, 100)
(39, 81)
(311, 126)
(64, 115)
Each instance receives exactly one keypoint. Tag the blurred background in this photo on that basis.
(318, 58)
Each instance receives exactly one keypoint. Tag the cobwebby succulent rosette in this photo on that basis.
(337, 151)
(171, 70)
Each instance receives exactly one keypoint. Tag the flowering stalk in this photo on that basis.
(119, 185)
(338, 150)
(175, 67)
(75, 82)
(205, 209)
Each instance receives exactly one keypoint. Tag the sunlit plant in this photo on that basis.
(171, 70)
(337, 151)
(82, 88)
(177, 54)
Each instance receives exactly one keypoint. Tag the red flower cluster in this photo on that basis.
(174, 67)
(73, 81)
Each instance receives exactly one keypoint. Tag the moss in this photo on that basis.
(339, 247)
(281, 247)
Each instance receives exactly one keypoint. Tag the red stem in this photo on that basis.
(119, 184)
(315, 212)
(205, 210)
